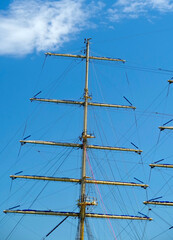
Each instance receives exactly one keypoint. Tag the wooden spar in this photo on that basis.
(128, 217)
(57, 101)
(74, 214)
(81, 103)
(73, 180)
(83, 56)
(165, 203)
(52, 143)
(80, 145)
(161, 165)
(117, 183)
(107, 59)
(115, 148)
(54, 213)
(163, 128)
(64, 55)
(45, 178)
(109, 105)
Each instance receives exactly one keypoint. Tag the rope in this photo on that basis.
(100, 194)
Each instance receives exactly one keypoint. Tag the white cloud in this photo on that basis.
(44, 25)
(136, 8)
(41, 25)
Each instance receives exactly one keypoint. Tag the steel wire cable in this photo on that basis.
(102, 129)
(35, 199)
(136, 68)
(122, 201)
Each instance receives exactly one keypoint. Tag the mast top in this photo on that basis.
(84, 56)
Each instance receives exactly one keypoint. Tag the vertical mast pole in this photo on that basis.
(84, 135)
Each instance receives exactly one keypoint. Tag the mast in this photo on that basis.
(84, 136)
(83, 201)
(164, 165)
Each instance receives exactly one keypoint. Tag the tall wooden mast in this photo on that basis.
(158, 165)
(83, 201)
(84, 136)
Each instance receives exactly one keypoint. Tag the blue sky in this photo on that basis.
(141, 32)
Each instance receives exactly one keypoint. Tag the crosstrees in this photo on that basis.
(74, 214)
(80, 145)
(74, 180)
(81, 103)
(84, 57)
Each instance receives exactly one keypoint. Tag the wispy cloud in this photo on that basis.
(136, 8)
(41, 25)
(37, 25)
